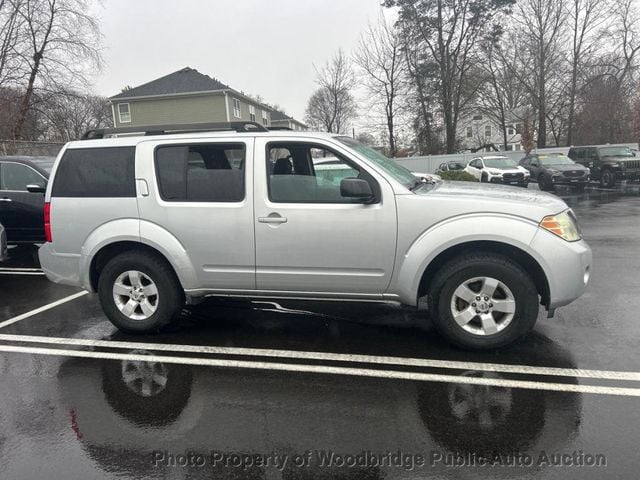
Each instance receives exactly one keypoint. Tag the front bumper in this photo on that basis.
(567, 266)
(563, 180)
(502, 181)
(627, 174)
(60, 267)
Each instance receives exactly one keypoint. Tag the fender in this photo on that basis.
(515, 231)
(135, 230)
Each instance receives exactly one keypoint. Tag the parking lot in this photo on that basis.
(240, 389)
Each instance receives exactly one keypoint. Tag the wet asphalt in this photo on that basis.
(160, 407)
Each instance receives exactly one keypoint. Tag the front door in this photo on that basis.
(200, 191)
(309, 238)
(21, 212)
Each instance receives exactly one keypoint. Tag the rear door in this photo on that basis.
(201, 192)
(21, 212)
(308, 237)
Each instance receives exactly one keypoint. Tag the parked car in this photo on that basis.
(498, 169)
(451, 166)
(608, 163)
(151, 221)
(551, 169)
(23, 181)
(3, 244)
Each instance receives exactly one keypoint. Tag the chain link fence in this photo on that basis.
(30, 148)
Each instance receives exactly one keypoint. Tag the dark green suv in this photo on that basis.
(608, 163)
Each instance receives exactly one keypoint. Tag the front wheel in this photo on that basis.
(139, 292)
(607, 178)
(482, 301)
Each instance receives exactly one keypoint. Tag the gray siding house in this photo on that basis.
(280, 119)
(187, 96)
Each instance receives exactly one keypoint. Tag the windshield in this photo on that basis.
(555, 160)
(499, 162)
(392, 168)
(615, 152)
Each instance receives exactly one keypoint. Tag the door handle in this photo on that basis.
(5, 200)
(272, 218)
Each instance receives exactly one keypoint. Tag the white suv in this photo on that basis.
(498, 169)
(153, 221)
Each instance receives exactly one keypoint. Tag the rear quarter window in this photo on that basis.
(96, 172)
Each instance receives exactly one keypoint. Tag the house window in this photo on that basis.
(265, 117)
(124, 114)
(477, 117)
(252, 113)
(236, 108)
(469, 132)
(511, 131)
(487, 131)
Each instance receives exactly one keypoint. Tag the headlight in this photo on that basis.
(496, 173)
(564, 225)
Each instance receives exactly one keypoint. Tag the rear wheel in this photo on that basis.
(607, 178)
(483, 301)
(545, 183)
(139, 292)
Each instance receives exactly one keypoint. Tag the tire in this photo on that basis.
(520, 295)
(484, 178)
(544, 184)
(607, 178)
(161, 308)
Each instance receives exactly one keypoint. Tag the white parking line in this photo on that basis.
(359, 372)
(44, 308)
(328, 356)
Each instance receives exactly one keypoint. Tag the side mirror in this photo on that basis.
(355, 188)
(35, 188)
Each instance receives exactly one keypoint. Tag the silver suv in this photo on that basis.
(156, 219)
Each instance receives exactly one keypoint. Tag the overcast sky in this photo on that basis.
(263, 47)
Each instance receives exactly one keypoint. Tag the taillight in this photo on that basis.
(47, 222)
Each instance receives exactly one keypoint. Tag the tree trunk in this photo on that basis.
(26, 100)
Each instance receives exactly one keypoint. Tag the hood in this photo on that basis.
(620, 159)
(506, 169)
(479, 197)
(565, 167)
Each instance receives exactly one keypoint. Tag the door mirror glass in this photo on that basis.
(35, 188)
(355, 188)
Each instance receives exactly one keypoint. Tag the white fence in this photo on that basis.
(430, 163)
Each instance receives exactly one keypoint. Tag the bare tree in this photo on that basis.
(382, 65)
(332, 106)
(450, 31)
(9, 39)
(585, 19)
(538, 26)
(61, 40)
(67, 115)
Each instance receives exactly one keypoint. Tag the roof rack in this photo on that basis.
(178, 128)
(279, 128)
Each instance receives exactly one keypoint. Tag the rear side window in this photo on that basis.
(201, 172)
(96, 172)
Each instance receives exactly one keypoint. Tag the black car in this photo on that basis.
(551, 169)
(23, 181)
(451, 166)
(608, 163)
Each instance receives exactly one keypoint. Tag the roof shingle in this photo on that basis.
(186, 80)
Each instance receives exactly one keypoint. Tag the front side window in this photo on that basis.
(236, 108)
(201, 172)
(16, 177)
(306, 173)
(124, 113)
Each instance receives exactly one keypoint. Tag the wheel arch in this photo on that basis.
(111, 250)
(520, 256)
